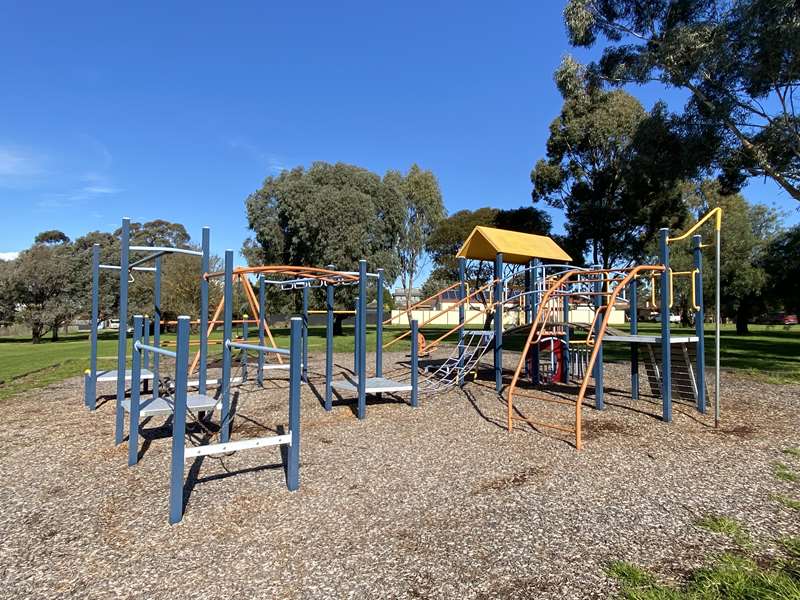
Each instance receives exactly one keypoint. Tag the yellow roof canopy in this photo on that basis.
(517, 248)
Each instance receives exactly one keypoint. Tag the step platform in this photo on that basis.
(156, 407)
(146, 375)
(374, 385)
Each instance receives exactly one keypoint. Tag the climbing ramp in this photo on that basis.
(463, 359)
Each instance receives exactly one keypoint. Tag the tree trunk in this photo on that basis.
(742, 319)
(337, 324)
(54, 333)
(36, 334)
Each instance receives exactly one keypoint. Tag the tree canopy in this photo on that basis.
(739, 59)
(328, 214)
(746, 237)
(596, 170)
(423, 209)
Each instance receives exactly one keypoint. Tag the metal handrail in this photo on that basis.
(157, 349)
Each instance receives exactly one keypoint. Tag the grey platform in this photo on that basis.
(146, 375)
(375, 385)
(650, 339)
(153, 407)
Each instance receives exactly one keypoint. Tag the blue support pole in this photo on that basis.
(666, 349)
(133, 413)
(224, 434)
(146, 338)
(356, 341)
(533, 351)
(204, 266)
(599, 401)
(122, 340)
(565, 349)
(699, 324)
(305, 332)
(527, 308)
(245, 333)
(362, 339)
(414, 364)
(262, 292)
(293, 455)
(462, 315)
(633, 308)
(379, 326)
(157, 326)
(179, 422)
(498, 322)
(90, 379)
(329, 301)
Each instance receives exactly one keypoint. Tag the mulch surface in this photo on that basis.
(435, 502)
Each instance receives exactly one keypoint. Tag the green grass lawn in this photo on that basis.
(768, 352)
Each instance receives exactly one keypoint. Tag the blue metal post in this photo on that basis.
(379, 326)
(261, 320)
(498, 322)
(356, 341)
(204, 266)
(329, 300)
(599, 401)
(666, 348)
(226, 349)
(699, 324)
(462, 315)
(634, 318)
(122, 340)
(414, 363)
(305, 332)
(293, 458)
(362, 339)
(565, 349)
(179, 422)
(157, 326)
(146, 338)
(90, 379)
(245, 333)
(133, 413)
(533, 351)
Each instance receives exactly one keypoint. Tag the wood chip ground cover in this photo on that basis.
(434, 502)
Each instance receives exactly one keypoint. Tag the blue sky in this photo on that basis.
(178, 111)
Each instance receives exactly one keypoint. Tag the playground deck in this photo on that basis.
(434, 502)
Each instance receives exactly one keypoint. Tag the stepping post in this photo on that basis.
(666, 349)
(329, 298)
(414, 363)
(224, 433)
(293, 458)
(133, 413)
(361, 334)
(122, 338)
(179, 422)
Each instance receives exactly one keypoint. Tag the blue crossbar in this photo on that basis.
(258, 347)
(156, 349)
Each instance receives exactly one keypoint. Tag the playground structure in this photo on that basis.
(547, 292)
(172, 398)
(544, 292)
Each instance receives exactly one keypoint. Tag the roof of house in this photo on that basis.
(517, 248)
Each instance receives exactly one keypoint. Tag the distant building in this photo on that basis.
(399, 296)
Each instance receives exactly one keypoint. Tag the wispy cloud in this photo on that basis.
(19, 163)
(8, 255)
(272, 162)
(91, 186)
